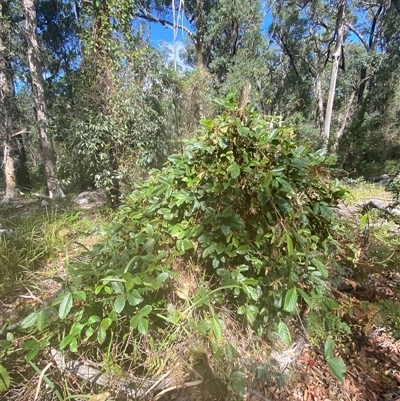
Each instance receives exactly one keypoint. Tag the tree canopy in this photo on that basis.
(113, 101)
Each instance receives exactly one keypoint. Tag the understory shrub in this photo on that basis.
(243, 210)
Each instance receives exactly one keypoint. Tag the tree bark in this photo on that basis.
(39, 100)
(348, 111)
(6, 104)
(320, 100)
(21, 171)
(340, 29)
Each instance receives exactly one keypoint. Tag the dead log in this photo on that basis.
(377, 204)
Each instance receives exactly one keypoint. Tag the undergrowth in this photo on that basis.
(231, 239)
(32, 240)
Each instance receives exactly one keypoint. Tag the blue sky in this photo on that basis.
(159, 34)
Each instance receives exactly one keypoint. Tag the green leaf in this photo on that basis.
(243, 250)
(329, 344)
(145, 310)
(284, 333)
(134, 298)
(66, 340)
(33, 347)
(76, 329)
(238, 383)
(97, 289)
(101, 335)
(129, 282)
(162, 277)
(65, 305)
(119, 303)
(30, 320)
(230, 352)
(89, 332)
(4, 379)
(290, 300)
(106, 323)
(73, 345)
(93, 319)
(113, 316)
(134, 321)
(187, 244)
(149, 230)
(220, 102)
(216, 328)
(305, 296)
(79, 295)
(143, 325)
(338, 368)
(223, 142)
(289, 243)
(364, 221)
(204, 326)
(117, 286)
(234, 170)
(196, 231)
(320, 267)
(253, 292)
(243, 131)
(226, 229)
(251, 313)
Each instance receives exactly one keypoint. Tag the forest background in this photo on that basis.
(86, 77)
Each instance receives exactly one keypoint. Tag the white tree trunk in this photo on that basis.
(35, 68)
(348, 111)
(340, 30)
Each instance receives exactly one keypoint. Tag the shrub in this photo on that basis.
(243, 208)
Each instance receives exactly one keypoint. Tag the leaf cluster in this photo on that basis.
(243, 208)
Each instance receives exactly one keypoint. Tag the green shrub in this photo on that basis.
(243, 208)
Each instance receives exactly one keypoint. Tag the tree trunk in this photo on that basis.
(35, 68)
(21, 171)
(340, 29)
(348, 111)
(9, 172)
(320, 101)
(6, 104)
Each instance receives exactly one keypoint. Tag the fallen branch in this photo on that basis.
(133, 387)
(376, 204)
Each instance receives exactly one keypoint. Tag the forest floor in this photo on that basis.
(368, 302)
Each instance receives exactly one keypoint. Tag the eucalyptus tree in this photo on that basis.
(7, 101)
(372, 137)
(336, 56)
(236, 46)
(119, 114)
(223, 37)
(39, 100)
(190, 16)
(302, 34)
(14, 157)
(319, 39)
